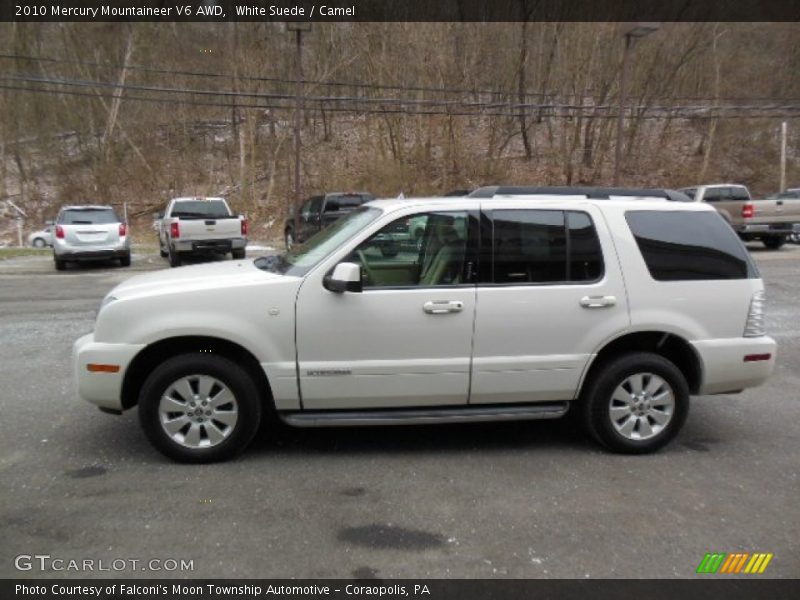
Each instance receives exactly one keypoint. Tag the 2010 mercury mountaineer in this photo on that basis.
(516, 303)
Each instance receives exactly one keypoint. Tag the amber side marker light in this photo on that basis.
(757, 357)
(95, 368)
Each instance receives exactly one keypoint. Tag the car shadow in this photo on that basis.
(281, 439)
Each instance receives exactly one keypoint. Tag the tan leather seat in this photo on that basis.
(444, 260)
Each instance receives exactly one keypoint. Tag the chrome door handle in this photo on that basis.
(598, 301)
(440, 307)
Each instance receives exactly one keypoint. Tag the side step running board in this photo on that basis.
(465, 414)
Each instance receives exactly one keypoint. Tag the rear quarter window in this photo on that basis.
(689, 245)
(88, 216)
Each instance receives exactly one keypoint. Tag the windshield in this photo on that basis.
(201, 209)
(88, 216)
(301, 259)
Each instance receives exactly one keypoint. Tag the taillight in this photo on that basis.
(123, 229)
(747, 211)
(59, 232)
(754, 325)
(244, 226)
(174, 230)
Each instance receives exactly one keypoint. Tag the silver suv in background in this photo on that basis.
(86, 233)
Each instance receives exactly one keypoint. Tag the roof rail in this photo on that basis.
(602, 193)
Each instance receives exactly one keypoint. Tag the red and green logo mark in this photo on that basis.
(737, 562)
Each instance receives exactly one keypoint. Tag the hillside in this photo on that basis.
(116, 113)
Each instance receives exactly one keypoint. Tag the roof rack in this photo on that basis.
(601, 193)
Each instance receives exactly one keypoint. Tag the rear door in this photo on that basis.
(90, 227)
(550, 293)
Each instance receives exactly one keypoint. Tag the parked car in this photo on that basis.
(770, 220)
(41, 238)
(90, 233)
(200, 226)
(318, 212)
(513, 307)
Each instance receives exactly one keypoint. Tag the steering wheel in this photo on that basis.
(367, 269)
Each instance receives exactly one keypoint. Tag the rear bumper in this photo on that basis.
(209, 246)
(724, 365)
(102, 389)
(768, 228)
(64, 251)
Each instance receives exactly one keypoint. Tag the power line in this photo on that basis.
(361, 85)
(368, 110)
(444, 106)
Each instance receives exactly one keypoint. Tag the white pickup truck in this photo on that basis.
(200, 226)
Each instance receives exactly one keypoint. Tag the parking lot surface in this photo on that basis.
(491, 500)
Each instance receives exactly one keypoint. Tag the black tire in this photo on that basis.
(60, 264)
(39, 243)
(238, 254)
(774, 243)
(596, 398)
(174, 257)
(236, 378)
(125, 261)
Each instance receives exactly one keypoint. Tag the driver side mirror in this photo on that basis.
(346, 277)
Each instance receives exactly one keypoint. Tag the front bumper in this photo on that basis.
(222, 246)
(724, 365)
(101, 388)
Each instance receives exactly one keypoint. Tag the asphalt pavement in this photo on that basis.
(523, 500)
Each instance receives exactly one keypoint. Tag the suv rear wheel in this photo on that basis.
(636, 403)
(200, 408)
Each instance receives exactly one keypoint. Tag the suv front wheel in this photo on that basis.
(200, 408)
(636, 403)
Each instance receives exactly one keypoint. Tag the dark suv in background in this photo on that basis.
(318, 212)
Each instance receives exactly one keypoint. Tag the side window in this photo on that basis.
(714, 194)
(585, 255)
(424, 250)
(313, 206)
(543, 246)
(739, 193)
(685, 246)
(529, 246)
(689, 192)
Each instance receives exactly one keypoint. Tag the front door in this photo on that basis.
(406, 339)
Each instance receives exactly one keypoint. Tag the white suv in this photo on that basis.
(515, 304)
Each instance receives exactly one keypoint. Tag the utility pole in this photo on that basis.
(299, 27)
(631, 33)
(783, 157)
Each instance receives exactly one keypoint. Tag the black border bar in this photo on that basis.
(740, 588)
(401, 10)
